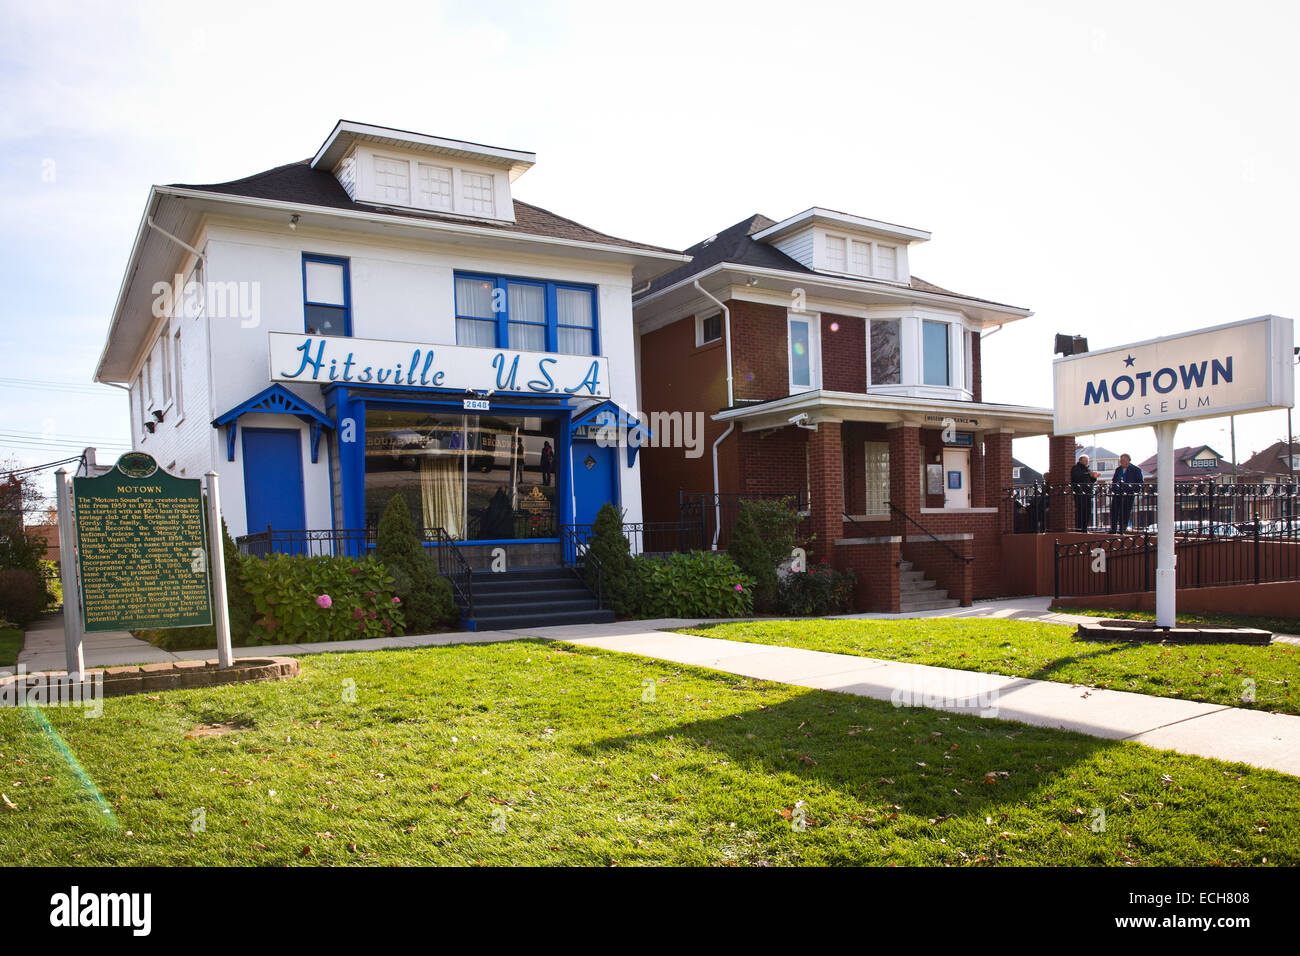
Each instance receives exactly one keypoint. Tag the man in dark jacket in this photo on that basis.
(1124, 486)
(1082, 478)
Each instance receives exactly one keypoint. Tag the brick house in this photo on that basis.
(826, 369)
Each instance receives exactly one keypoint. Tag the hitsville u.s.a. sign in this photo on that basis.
(326, 359)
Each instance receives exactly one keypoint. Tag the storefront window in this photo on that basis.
(886, 366)
(478, 477)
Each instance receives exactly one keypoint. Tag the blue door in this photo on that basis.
(595, 480)
(273, 492)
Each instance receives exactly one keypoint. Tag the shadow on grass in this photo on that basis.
(929, 762)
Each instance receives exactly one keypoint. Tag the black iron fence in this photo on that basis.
(1125, 563)
(349, 542)
(1201, 508)
(647, 537)
(715, 514)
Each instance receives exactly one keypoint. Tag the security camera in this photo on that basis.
(801, 421)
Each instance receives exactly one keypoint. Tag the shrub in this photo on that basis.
(618, 577)
(816, 592)
(299, 599)
(53, 581)
(22, 595)
(762, 539)
(698, 584)
(427, 600)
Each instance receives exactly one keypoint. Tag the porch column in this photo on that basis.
(905, 472)
(826, 483)
(997, 474)
(1060, 459)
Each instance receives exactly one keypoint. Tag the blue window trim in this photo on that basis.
(501, 287)
(347, 288)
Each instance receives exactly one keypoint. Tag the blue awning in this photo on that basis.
(276, 400)
(608, 414)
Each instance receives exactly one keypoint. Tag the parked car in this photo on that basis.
(1217, 529)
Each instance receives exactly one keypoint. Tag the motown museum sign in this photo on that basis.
(1225, 370)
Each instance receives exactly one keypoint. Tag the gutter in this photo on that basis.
(726, 334)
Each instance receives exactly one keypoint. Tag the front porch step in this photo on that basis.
(916, 592)
(531, 597)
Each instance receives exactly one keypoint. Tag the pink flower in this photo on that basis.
(358, 614)
(739, 587)
(325, 601)
(397, 600)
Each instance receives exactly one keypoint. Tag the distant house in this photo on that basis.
(1195, 463)
(1022, 474)
(1279, 461)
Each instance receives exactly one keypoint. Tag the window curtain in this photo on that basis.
(442, 493)
(527, 305)
(575, 321)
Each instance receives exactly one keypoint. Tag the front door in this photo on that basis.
(956, 477)
(273, 492)
(595, 480)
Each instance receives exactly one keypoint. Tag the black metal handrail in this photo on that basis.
(453, 565)
(577, 557)
(654, 537)
(930, 534)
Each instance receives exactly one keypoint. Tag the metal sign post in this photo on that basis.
(72, 634)
(1166, 557)
(217, 561)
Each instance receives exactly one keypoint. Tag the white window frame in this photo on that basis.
(164, 365)
(873, 248)
(375, 160)
(700, 340)
(814, 322)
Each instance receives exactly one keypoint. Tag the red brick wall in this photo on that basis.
(759, 361)
(876, 568)
(1060, 459)
(677, 376)
(977, 389)
(904, 472)
(997, 473)
(986, 546)
(824, 464)
(844, 353)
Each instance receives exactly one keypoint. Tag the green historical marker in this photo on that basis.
(142, 548)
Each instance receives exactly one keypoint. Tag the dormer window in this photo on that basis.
(859, 257)
(477, 192)
(393, 180)
(435, 186)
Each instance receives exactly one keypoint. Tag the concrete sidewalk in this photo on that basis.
(1207, 730)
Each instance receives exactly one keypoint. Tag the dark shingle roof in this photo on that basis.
(736, 244)
(299, 183)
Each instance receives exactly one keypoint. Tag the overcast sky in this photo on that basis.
(1125, 170)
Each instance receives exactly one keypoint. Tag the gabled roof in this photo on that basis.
(736, 245)
(299, 183)
(1183, 455)
(1272, 460)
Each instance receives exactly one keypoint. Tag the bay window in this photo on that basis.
(803, 351)
(886, 352)
(936, 366)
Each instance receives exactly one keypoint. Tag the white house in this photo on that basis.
(384, 318)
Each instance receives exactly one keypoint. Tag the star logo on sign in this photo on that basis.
(1128, 361)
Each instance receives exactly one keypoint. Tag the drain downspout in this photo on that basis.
(731, 400)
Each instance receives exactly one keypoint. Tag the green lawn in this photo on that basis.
(11, 644)
(1210, 673)
(528, 753)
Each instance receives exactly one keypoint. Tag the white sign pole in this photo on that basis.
(73, 639)
(217, 561)
(1166, 558)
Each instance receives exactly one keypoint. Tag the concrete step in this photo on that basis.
(904, 565)
(908, 587)
(928, 604)
(911, 575)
